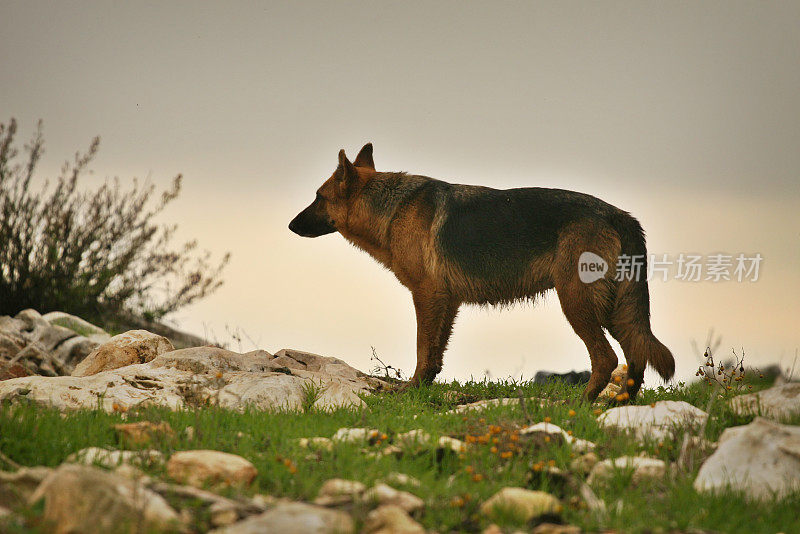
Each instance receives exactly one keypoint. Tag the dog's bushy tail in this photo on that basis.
(630, 316)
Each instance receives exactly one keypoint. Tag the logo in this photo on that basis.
(591, 267)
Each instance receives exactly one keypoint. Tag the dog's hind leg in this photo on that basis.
(436, 311)
(584, 305)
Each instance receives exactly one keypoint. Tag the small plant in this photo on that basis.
(728, 377)
(389, 372)
(312, 391)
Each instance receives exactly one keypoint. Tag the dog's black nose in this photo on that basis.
(292, 227)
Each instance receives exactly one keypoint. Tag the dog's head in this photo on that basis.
(329, 210)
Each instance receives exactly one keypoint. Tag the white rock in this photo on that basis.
(778, 402)
(77, 325)
(113, 458)
(293, 518)
(391, 519)
(16, 488)
(583, 464)
(129, 348)
(82, 499)
(453, 444)
(193, 377)
(401, 479)
(522, 503)
(761, 459)
(338, 491)
(412, 438)
(484, 404)
(217, 469)
(383, 494)
(579, 445)
(316, 443)
(656, 422)
(642, 469)
(354, 435)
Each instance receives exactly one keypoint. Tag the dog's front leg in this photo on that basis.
(436, 311)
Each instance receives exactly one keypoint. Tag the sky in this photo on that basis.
(686, 114)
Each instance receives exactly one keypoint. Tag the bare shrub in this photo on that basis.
(94, 253)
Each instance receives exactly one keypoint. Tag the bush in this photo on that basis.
(95, 253)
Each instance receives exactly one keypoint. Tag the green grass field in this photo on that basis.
(453, 486)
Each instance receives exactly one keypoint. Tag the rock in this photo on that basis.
(609, 392)
(391, 519)
(383, 494)
(413, 438)
(572, 378)
(583, 464)
(77, 325)
(16, 488)
(778, 402)
(522, 503)
(657, 421)
(223, 514)
(129, 348)
(401, 479)
(30, 345)
(552, 528)
(81, 499)
(355, 435)
(294, 518)
(113, 458)
(143, 432)
(643, 469)
(192, 377)
(337, 491)
(579, 445)
(317, 443)
(761, 459)
(213, 468)
(483, 405)
(452, 444)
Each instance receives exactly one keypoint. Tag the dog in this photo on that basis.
(453, 244)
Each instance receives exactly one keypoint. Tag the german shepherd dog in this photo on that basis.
(452, 244)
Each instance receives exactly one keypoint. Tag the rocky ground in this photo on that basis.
(128, 434)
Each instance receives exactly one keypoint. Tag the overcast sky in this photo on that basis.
(686, 114)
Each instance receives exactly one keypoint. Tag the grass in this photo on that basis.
(453, 486)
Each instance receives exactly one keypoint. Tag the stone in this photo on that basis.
(573, 378)
(579, 445)
(143, 432)
(337, 491)
(79, 326)
(643, 469)
(523, 503)
(355, 435)
(553, 528)
(112, 458)
(761, 459)
(655, 422)
(30, 345)
(401, 479)
(210, 468)
(777, 402)
(583, 464)
(452, 444)
(316, 443)
(16, 488)
(391, 519)
(383, 494)
(129, 348)
(193, 377)
(81, 499)
(293, 518)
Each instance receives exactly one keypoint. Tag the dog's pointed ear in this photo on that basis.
(349, 174)
(364, 158)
